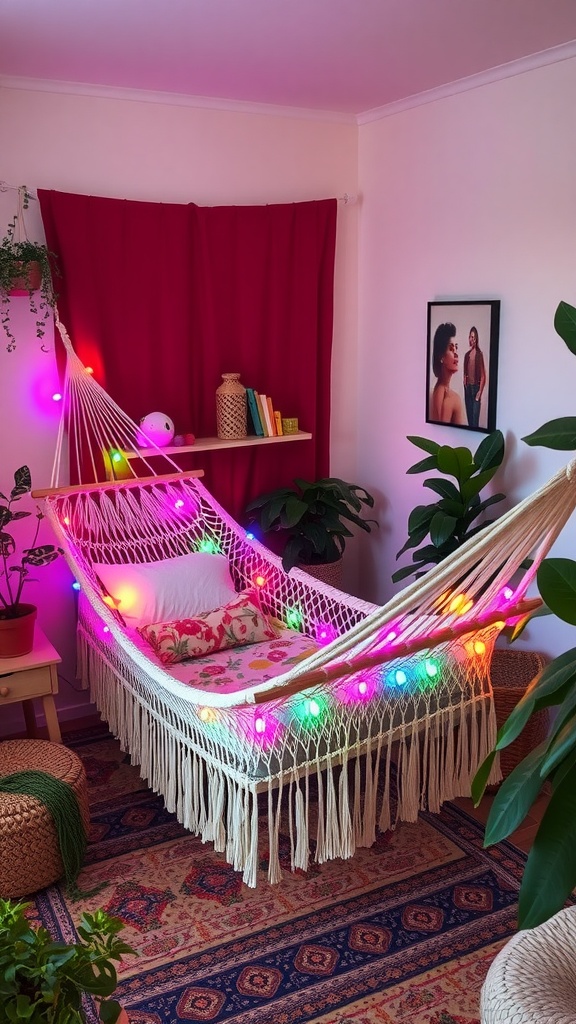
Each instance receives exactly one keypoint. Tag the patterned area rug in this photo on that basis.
(404, 931)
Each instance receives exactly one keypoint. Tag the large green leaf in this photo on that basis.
(317, 536)
(560, 748)
(483, 505)
(451, 508)
(558, 434)
(22, 483)
(565, 324)
(293, 512)
(515, 797)
(445, 488)
(557, 586)
(490, 453)
(472, 487)
(480, 780)
(441, 527)
(550, 688)
(294, 552)
(420, 516)
(456, 462)
(550, 872)
(515, 722)
(424, 466)
(404, 572)
(414, 539)
(558, 672)
(424, 443)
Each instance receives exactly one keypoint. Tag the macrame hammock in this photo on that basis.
(310, 747)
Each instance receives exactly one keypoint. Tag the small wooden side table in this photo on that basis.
(29, 676)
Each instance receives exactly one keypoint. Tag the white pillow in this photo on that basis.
(175, 588)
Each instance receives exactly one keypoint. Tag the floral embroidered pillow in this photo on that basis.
(241, 621)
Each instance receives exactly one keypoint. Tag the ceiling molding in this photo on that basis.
(554, 55)
(173, 99)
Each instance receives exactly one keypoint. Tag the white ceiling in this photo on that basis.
(347, 56)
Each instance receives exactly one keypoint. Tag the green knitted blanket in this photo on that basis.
(61, 802)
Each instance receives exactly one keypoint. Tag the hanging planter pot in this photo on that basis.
(26, 269)
(29, 279)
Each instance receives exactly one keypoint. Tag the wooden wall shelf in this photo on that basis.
(209, 444)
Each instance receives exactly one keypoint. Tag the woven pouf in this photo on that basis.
(533, 978)
(29, 851)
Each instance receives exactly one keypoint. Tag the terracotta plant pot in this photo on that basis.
(30, 280)
(17, 634)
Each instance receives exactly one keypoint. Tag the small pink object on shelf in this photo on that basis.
(157, 428)
(189, 439)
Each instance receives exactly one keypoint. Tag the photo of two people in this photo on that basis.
(462, 363)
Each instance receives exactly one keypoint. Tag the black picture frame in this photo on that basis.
(450, 397)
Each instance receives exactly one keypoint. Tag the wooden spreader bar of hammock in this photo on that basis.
(107, 485)
(319, 676)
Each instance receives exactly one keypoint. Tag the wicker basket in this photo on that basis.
(511, 672)
(327, 572)
(231, 408)
(29, 850)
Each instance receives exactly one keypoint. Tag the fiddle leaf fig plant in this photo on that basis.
(550, 873)
(452, 519)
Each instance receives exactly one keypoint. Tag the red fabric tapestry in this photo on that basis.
(161, 299)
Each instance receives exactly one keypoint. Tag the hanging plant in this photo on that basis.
(26, 268)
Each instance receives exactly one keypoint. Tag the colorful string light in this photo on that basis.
(325, 633)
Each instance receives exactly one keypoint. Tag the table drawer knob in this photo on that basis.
(4, 691)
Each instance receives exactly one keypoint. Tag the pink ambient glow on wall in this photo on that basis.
(43, 386)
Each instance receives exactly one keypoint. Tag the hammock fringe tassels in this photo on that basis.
(390, 712)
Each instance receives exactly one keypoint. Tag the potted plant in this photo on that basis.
(25, 269)
(16, 618)
(453, 518)
(310, 519)
(43, 981)
(550, 873)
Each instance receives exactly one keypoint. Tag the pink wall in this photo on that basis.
(158, 152)
(471, 196)
(467, 197)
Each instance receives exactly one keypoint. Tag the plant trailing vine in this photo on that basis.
(18, 255)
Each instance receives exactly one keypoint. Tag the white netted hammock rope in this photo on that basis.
(444, 725)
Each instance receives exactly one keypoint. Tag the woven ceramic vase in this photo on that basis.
(231, 408)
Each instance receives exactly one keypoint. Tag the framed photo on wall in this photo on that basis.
(462, 363)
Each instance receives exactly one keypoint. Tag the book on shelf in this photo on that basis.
(266, 414)
(254, 414)
(273, 431)
(260, 405)
(278, 422)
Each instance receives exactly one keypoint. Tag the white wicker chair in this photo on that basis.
(533, 978)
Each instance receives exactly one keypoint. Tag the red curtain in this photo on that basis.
(162, 299)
